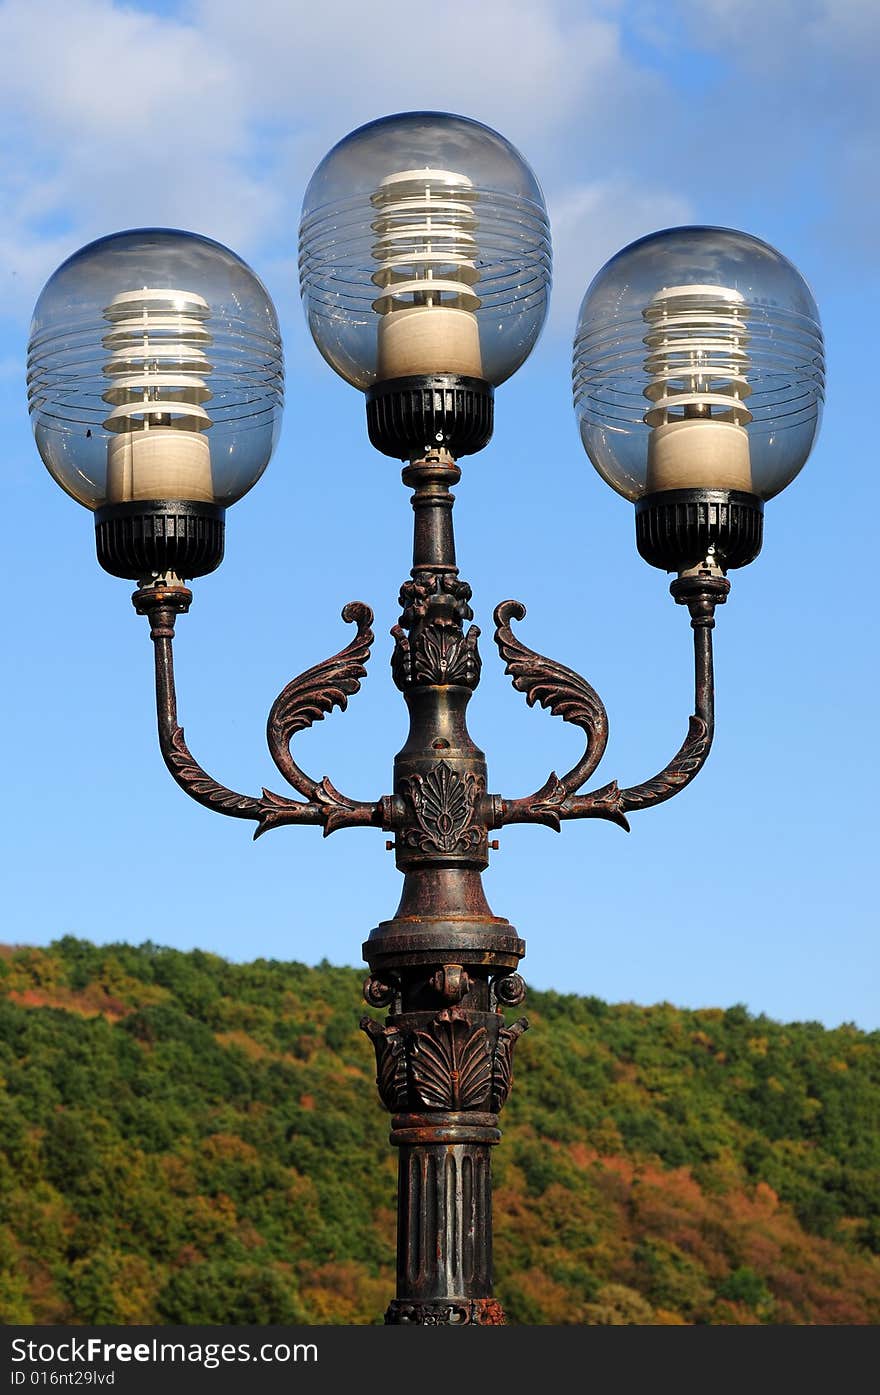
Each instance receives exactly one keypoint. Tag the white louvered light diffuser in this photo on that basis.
(424, 249)
(158, 373)
(427, 249)
(720, 333)
(697, 386)
(155, 373)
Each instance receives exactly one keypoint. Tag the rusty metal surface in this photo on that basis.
(309, 697)
(326, 806)
(444, 966)
(571, 697)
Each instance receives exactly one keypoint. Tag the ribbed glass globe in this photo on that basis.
(155, 371)
(424, 249)
(698, 364)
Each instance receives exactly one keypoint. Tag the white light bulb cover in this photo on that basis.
(443, 215)
(425, 229)
(158, 383)
(698, 364)
(131, 339)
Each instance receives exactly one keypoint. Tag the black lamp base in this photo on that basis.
(149, 537)
(407, 417)
(678, 528)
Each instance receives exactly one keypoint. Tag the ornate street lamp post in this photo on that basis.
(156, 385)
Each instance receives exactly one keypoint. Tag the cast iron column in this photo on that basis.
(444, 964)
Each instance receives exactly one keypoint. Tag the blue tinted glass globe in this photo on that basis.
(424, 248)
(698, 363)
(155, 371)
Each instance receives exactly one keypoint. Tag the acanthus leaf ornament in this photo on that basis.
(391, 1073)
(556, 800)
(564, 692)
(161, 604)
(436, 650)
(443, 655)
(451, 1066)
(547, 802)
(272, 811)
(444, 805)
(309, 697)
(502, 1061)
(685, 764)
(202, 786)
(605, 803)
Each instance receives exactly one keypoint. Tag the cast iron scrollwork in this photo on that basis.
(454, 1062)
(445, 806)
(307, 699)
(701, 592)
(391, 1063)
(509, 989)
(444, 965)
(473, 1312)
(379, 993)
(325, 806)
(568, 696)
(502, 1061)
(564, 693)
(437, 649)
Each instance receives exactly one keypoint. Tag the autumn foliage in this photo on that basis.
(186, 1140)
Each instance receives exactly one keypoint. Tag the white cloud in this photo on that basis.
(115, 115)
(760, 33)
(343, 62)
(593, 221)
(115, 75)
(114, 118)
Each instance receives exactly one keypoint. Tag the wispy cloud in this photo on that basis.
(114, 118)
(593, 221)
(212, 116)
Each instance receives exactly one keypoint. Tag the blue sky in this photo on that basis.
(757, 884)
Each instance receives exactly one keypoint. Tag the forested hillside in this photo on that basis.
(185, 1140)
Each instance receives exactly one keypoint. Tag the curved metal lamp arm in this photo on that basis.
(701, 593)
(310, 696)
(568, 696)
(162, 605)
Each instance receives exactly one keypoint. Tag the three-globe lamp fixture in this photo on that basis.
(155, 383)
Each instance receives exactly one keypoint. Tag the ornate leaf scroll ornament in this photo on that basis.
(444, 805)
(390, 1063)
(308, 698)
(685, 764)
(326, 806)
(434, 610)
(202, 786)
(443, 655)
(452, 1064)
(502, 1062)
(560, 689)
(271, 811)
(614, 804)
